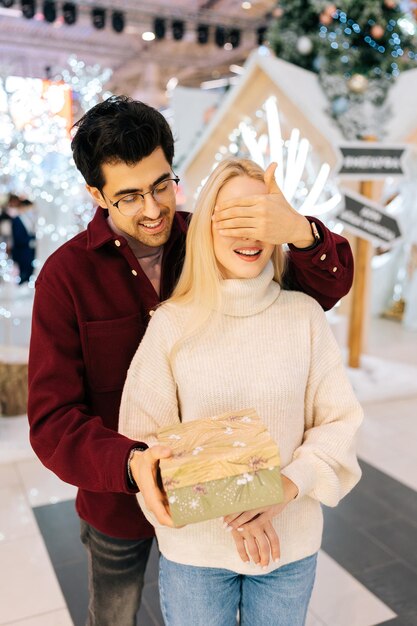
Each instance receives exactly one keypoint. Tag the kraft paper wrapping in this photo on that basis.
(220, 465)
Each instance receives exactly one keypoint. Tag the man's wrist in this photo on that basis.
(313, 241)
(130, 480)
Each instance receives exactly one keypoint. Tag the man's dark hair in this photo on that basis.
(118, 130)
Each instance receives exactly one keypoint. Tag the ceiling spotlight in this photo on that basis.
(261, 35)
(118, 21)
(28, 8)
(49, 11)
(178, 29)
(159, 27)
(234, 37)
(220, 36)
(202, 33)
(69, 11)
(246, 5)
(148, 36)
(98, 17)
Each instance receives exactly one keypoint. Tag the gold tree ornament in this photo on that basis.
(358, 83)
(325, 18)
(330, 9)
(377, 31)
(395, 311)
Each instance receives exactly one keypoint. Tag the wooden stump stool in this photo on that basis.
(13, 380)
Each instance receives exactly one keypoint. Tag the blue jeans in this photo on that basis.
(116, 569)
(207, 596)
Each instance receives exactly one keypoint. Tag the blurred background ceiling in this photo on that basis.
(34, 47)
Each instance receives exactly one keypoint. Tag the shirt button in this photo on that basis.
(134, 272)
(323, 256)
(117, 243)
(334, 269)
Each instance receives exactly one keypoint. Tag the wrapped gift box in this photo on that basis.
(220, 465)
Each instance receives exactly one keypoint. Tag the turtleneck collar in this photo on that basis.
(242, 297)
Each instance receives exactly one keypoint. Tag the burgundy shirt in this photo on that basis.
(90, 312)
(149, 257)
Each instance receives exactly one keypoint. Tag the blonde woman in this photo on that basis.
(230, 338)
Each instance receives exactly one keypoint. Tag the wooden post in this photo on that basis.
(360, 291)
(13, 380)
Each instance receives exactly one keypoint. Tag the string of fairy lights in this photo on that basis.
(36, 157)
(340, 38)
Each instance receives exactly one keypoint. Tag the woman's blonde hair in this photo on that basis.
(200, 279)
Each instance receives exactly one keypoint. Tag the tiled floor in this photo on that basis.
(335, 589)
(367, 573)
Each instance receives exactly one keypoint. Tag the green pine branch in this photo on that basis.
(374, 38)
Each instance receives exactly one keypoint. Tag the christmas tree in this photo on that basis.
(357, 48)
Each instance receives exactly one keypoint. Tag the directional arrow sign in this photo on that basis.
(368, 220)
(368, 161)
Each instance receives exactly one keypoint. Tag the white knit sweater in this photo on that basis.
(271, 350)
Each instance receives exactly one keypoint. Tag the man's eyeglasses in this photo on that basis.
(134, 202)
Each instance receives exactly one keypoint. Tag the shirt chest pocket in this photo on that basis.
(109, 348)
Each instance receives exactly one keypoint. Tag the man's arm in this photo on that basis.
(67, 437)
(323, 271)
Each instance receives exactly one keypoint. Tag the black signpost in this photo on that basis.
(369, 161)
(366, 161)
(369, 220)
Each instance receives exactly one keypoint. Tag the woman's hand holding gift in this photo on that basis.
(253, 532)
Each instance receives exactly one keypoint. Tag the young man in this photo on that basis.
(93, 300)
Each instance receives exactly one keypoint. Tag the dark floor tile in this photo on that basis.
(394, 494)
(151, 602)
(363, 510)
(60, 528)
(400, 536)
(404, 620)
(152, 568)
(371, 534)
(73, 580)
(350, 547)
(150, 596)
(396, 585)
(144, 618)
